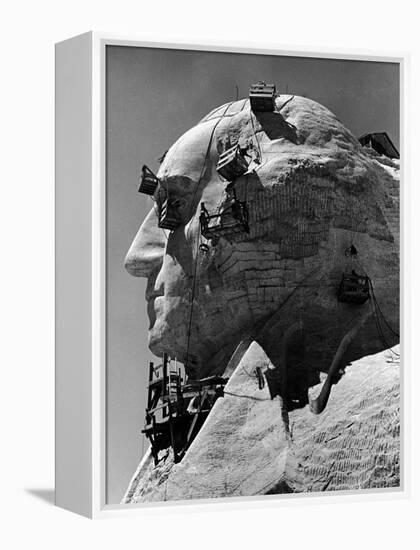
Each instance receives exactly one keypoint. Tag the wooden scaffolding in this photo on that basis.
(177, 409)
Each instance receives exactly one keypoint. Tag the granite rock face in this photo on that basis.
(250, 445)
(313, 194)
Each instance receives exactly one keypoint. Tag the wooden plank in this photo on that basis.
(174, 449)
(149, 390)
(164, 373)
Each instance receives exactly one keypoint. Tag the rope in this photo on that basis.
(377, 312)
(191, 222)
(381, 334)
(380, 311)
(246, 188)
(255, 133)
(247, 396)
(285, 103)
(247, 373)
(205, 161)
(193, 294)
(199, 229)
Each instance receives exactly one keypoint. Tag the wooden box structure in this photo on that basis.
(230, 219)
(232, 163)
(381, 143)
(148, 181)
(354, 288)
(168, 215)
(262, 97)
(176, 410)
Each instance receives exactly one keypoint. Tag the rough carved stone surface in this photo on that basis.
(249, 446)
(355, 443)
(315, 192)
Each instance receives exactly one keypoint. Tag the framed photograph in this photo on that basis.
(228, 262)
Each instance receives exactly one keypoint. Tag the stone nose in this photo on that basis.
(145, 254)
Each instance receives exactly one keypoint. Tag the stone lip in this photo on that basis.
(250, 446)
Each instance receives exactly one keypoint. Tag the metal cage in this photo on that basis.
(262, 97)
(232, 163)
(169, 215)
(354, 288)
(231, 219)
(148, 181)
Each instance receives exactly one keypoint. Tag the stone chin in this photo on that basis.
(167, 333)
(160, 335)
(211, 337)
(155, 342)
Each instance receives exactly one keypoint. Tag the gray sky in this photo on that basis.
(154, 96)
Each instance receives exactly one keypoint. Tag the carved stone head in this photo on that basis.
(311, 191)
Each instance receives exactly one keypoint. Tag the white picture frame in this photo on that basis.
(80, 271)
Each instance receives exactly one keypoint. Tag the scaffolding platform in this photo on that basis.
(176, 409)
(230, 219)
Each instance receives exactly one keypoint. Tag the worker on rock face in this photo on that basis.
(315, 192)
(193, 405)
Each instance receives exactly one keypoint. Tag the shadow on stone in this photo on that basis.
(276, 127)
(280, 488)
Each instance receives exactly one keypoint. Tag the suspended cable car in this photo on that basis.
(232, 218)
(232, 163)
(168, 209)
(354, 288)
(262, 97)
(169, 215)
(148, 181)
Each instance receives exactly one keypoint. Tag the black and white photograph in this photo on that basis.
(209, 275)
(252, 275)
